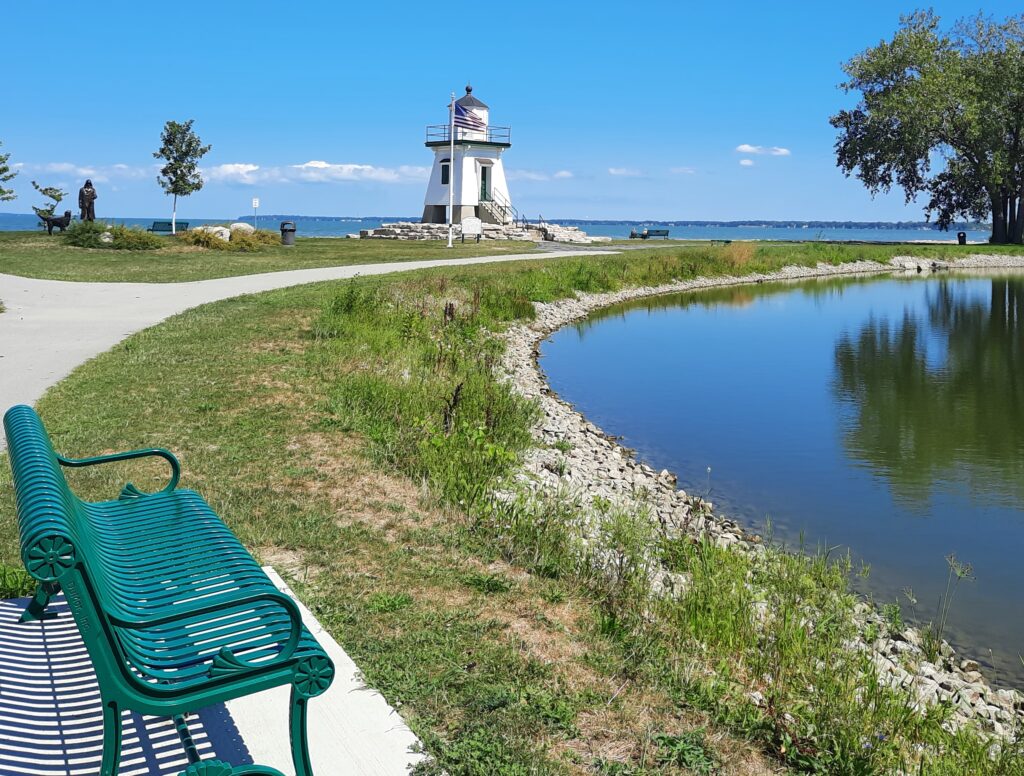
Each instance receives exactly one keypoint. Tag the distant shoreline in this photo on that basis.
(742, 224)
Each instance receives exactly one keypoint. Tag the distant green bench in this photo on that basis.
(165, 226)
(647, 234)
(174, 612)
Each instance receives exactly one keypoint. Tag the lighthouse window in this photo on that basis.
(444, 174)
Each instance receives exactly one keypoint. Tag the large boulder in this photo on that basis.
(220, 232)
(240, 227)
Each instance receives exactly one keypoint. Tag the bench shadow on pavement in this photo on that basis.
(51, 722)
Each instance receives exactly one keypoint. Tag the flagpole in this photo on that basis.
(451, 168)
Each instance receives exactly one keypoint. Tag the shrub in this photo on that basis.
(88, 234)
(129, 239)
(245, 243)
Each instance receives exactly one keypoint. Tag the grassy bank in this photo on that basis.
(350, 433)
(31, 254)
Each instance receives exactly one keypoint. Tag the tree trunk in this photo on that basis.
(998, 219)
(1017, 233)
(174, 216)
(1011, 215)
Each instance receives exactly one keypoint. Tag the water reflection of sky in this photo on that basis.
(883, 415)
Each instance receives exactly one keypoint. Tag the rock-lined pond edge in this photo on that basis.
(596, 466)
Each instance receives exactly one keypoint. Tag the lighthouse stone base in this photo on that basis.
(408, 230)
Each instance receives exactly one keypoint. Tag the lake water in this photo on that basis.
(884, 415)
(308, 226)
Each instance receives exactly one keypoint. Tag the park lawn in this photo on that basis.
(37, 255)
(322, 423)
(31, 254)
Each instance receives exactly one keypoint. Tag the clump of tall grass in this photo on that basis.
(239, 242)
(767, 643)
(422, 388)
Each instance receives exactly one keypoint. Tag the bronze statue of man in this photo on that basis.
(86, 201)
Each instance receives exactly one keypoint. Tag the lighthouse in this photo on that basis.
(470, 163)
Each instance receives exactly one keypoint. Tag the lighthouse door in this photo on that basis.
(485, 183)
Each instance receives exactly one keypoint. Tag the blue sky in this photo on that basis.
(634, 113)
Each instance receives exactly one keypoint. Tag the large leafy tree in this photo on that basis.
(6, 175)
(942, 114)
(181, 149)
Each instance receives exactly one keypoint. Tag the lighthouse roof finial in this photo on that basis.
(469, 101)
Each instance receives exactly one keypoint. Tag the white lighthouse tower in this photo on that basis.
(469, 162)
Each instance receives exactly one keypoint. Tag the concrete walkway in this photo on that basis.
(53, 326)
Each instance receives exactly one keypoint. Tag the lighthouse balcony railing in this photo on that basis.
(440, 133)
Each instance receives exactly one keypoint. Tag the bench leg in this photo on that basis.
(111, 739)
(36, 609)
(297, 715)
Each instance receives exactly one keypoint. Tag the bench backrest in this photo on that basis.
(51, 533)
(165, 226)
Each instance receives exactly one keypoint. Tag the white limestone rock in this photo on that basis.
(220, 232)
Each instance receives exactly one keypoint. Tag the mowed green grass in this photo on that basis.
(31, 254)
(350, 433)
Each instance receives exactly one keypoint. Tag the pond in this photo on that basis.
(882, 415)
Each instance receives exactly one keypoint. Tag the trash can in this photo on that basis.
(287, 233)
(961, 238)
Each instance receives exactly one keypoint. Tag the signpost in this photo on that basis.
(255, 206)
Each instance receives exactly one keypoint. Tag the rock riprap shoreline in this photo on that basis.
(595, 466)
(411, 230)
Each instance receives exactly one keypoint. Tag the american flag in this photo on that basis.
(468, 120)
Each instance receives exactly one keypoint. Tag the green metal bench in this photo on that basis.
(165, 226)
(175, 613)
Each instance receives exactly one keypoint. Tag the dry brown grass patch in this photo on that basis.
(739, 253)
(290, 564)
(356, 491)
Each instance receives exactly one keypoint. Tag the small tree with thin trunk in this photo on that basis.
(181, 148)
(6, 174)
(53, 193)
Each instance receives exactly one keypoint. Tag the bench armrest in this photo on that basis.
(128, 456)
(219, 604)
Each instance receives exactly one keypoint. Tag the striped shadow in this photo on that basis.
(51, 721)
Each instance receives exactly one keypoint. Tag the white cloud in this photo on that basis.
(314, 171)
(535, 175)
(526, 175)
(682, 171)
(747, 148)
(98, 174)
(324, 172)
(234, 173)
(624, 172)
(746, 162)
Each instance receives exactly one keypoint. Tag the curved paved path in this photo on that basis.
(52, 326)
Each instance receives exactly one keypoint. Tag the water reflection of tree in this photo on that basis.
(742, 295)
(958, 417)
